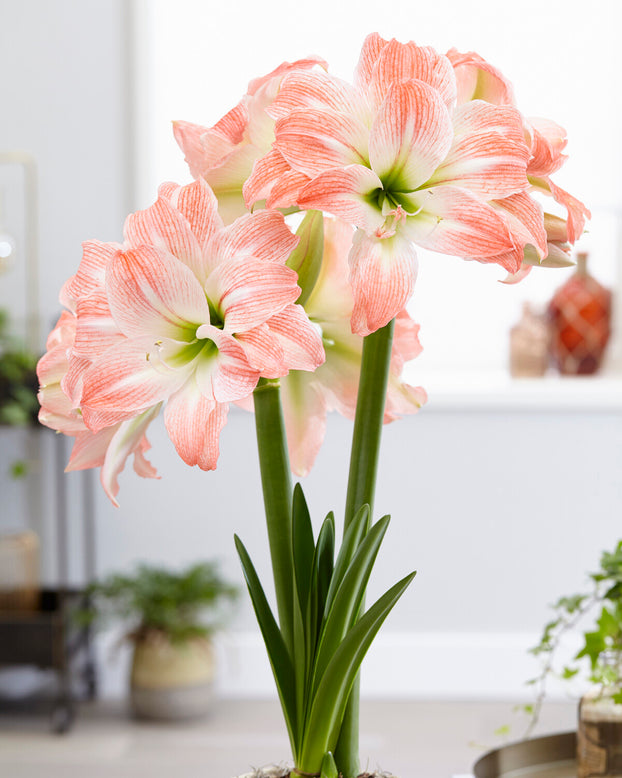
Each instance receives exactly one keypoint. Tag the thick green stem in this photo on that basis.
(277, 496)
(361, 490)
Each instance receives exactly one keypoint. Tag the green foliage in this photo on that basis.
(18, 380)
(306, 258)
(329, 768)
(19, 468)
(330, 637)
(602, 645)
(180, 605)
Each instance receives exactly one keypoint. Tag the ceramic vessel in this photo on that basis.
(580, 316)
(529, 344)
(171, 681)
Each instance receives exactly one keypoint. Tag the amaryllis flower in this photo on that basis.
(186, 311)
(110, 447)
(308, 397)
(394, 158)
(477, 79)
(224, 154)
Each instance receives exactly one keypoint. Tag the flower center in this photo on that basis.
(215, 316)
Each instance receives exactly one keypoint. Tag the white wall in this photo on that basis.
(501, 511)
(64, 101)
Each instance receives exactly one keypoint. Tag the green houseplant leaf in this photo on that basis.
(329, 702)
(348, 598)
(280, 660)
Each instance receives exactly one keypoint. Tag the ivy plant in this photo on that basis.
(600, 656)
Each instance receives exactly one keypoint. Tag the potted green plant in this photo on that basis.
(599, 660)
(18, 379)
(169, 619)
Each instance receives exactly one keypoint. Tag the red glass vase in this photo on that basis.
(580, 316)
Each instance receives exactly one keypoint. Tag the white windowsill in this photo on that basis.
(484, 391)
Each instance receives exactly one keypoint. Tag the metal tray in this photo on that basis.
(553, 756)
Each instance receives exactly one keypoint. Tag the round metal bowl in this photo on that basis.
(553, 756)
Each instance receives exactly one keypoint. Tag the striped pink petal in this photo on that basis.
(345, 193)
(283, 69)
(274, 180)
(57, 411)
(263, 351)
(331, 298)
(300, 340)
(266, 172)
(153, 295)
(316, 140)
(304, 412)
(477, 79)
(453, 221)
(123, 383)
(370, 51)
(547, 142)
(285, 192)
(194, 423)
(128, 439)
(488, 155)
(188, 137)
(402, 399)
(247, 292)
(525, 219)
(382, 274)
(96, 330)
(577, 211)
(515, 278)
(399, 62)
(260, 236)
(91, 273)
(89, 449)
(71, 383)
(319, 91)
(198, 205)
(406, 344)
(410, 136)
(165, 228)
(232, 127)
(226, 376)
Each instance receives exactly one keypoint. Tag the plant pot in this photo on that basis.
(171, 681)
(599, 742)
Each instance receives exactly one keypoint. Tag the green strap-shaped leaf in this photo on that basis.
(349, 598)
(351, 541)
(329, 703)
(320, 581)
(329, 768)
(280, 659)
(303, 546)
(324, 562)
(306, 258)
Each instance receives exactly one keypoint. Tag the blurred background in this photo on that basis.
(503, 489)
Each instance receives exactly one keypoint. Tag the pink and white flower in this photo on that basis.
(393, 156)
(224, 154)
(186, 311)
(476, 79)
(110, 447)
(308, 397)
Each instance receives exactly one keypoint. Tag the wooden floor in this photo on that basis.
(408, 739)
